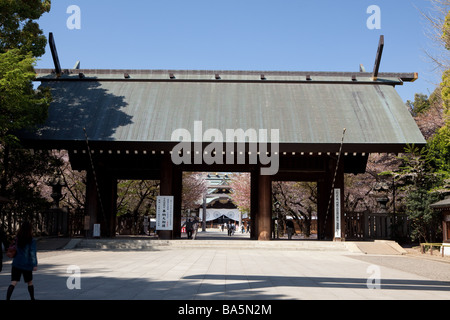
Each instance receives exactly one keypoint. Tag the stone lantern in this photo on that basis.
(381, 188)
(57, 183)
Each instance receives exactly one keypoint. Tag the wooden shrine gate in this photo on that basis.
(131, 124)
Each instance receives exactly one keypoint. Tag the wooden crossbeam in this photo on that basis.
(378, 58)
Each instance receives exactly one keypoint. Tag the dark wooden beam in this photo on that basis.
(378, 58)
(311, 176)
(51, 42)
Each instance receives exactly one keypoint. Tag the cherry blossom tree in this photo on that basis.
(298, 200)
(194, 188)
(240, 191)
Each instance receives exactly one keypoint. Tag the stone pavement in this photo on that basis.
(231, 273)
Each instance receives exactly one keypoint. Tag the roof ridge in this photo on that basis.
(225, 72)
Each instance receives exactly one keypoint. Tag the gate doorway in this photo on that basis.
(226, 204)
(136, 207)
(295, 202)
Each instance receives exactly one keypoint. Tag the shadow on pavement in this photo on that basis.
(51, 284)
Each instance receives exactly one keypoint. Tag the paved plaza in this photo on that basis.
(196, 273)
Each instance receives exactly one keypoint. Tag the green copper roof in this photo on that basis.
(308, 108)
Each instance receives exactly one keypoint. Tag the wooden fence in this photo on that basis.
(53, 222)
(368, 225)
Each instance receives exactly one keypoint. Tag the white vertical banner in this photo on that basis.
(96, 233)
(337, 213)
(164, 213)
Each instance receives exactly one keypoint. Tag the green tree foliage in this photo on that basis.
(446, 32)
(425, 173)
(439, 150)
(419, 105)
(18, 28)
(421, 179)
(445, 84)
(21, 107)
(21, 41)
(445, 91)
(425, 222)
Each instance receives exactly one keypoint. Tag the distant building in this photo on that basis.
(220, 208)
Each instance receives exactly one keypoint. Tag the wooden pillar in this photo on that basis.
(254, 189)
(177, 188)
(101, 203)
(326, 201)
(264, 208)
(323, 194)
(166, 189)
(446, 225)
(108, 192)
(91, 203)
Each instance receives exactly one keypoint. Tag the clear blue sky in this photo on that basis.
(285, 35)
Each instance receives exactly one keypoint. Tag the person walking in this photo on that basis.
(233, 228)
(195, 228)
(4, 242)
(290, 228)
(189, 228)
(25, 261)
